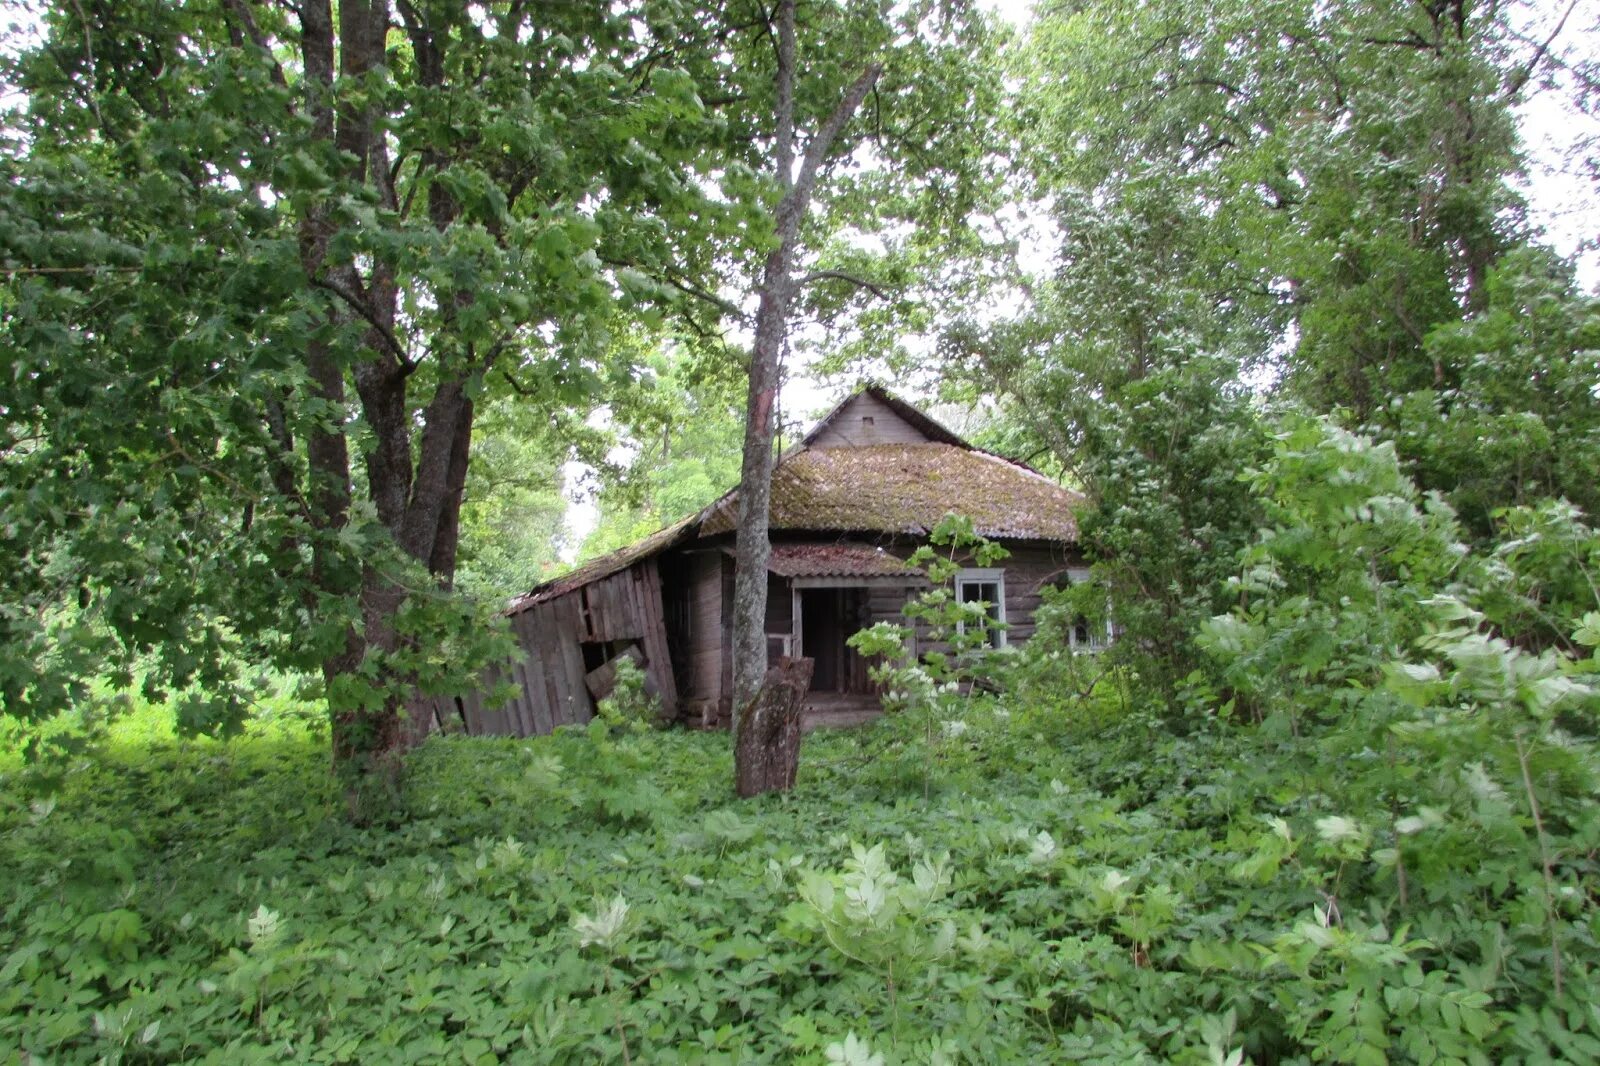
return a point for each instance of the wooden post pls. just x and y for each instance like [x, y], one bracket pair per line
[766, 740]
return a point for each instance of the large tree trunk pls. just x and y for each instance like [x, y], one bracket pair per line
[415, 485]
[753, 546]
[766, 740]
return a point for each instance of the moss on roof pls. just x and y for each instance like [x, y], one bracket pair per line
[878, 488]
[838, 559]
[908, 488]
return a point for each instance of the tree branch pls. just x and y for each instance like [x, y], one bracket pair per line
[359, 306]
[1518, 80]
[840, 275]
[240, 11]
[784, 149]
[822, 140]
[732, 310]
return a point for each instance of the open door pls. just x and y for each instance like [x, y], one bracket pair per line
[828, 618]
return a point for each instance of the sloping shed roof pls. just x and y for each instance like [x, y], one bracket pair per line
[606, 565]
[909, 488]
[836, 560]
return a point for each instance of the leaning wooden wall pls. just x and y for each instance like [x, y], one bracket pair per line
[702, 693]
[622, 611]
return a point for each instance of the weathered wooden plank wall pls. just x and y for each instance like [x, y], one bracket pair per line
[549, 672]
[703, 680]
[1030, 565]
[866, 421]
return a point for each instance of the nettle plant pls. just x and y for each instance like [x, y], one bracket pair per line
[926, 668]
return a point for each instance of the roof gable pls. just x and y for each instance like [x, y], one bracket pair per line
[871, 416]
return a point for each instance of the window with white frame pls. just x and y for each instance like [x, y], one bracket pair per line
[1085, 634]
[985, 586]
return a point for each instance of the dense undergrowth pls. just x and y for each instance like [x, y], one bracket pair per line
[1367, 832]
[1078, 885]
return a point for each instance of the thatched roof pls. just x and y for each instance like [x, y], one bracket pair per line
[870, 489]
[908, 488]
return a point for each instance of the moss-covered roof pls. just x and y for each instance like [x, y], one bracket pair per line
[838, 559]
[908, 488]
[875, 488]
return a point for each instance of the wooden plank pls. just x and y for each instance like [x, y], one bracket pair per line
[517, 708]
[550, 651]
[610, 621]
[530, 686]
[544, 636]
[646, 590]
[472, 704]
[471, 707]
[599, 611]
[579, 708]
[602, 680]
[528, 676]
[725, 642]
[538, 690]
[491, 721]
[865, 420]
[704, 635]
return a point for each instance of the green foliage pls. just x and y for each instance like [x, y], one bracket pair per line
[1170, 513]
[684, 420]
[250, 316]
[1517, 423]
[1229, 171]
[1358, 638]
[513, 511]
[1087, 889]
[925, 667]
[629, 707]
[871, 916]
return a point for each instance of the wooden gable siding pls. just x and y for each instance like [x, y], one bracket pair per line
[849, 427]
[549, 672]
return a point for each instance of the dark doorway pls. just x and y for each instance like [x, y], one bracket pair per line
[829, 617]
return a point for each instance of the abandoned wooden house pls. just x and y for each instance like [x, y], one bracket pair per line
[849, 503]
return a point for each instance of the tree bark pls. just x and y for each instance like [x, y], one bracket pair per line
[766, 742]
[416, 485]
